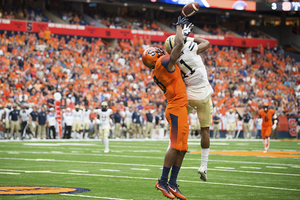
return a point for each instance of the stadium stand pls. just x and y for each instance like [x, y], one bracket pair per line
[87, 71]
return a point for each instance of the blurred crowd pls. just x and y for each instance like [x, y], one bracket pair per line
[88, 71]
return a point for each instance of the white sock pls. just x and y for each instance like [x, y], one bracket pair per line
[106, 142]
[127, 135]
[265, 143]
[204, 156]
[268, 143]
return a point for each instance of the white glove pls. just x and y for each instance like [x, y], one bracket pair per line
[187, 29]
[274, 126]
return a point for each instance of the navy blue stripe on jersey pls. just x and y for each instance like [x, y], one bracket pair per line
[191, 49]
[174, 129]
[164, 62]
[185, 39]
[190, 45]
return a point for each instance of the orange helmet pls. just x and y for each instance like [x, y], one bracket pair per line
[265, 104]
[151, 55]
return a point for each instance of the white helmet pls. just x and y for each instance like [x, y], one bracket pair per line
[169, 43]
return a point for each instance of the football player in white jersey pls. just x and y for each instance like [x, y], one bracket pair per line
[6, 120]
[1, 120]
[104, 115]
[77, 120]
[128, 121]
[198, 88]
[231, 123]
[86, 120]
[195, 125]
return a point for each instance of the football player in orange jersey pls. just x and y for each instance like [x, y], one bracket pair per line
[167, 75]
[267, 114]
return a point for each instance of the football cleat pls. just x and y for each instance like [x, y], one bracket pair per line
[164, 189]
[265, 151]
[203, 173]
[174, 190]
[106, 150]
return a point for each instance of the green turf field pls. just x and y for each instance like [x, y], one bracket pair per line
[131, 168]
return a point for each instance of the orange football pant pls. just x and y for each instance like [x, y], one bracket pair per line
[266, 131]
[179, 131]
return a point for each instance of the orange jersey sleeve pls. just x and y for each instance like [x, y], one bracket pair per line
[170, 82]
[267, 117]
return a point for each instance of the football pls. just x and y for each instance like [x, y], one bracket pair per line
[190, 9]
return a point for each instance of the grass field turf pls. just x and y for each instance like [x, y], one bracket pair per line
[131, 168]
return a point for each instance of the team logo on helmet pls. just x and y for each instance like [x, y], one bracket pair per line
[151, 55]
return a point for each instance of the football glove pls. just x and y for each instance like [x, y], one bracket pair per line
[181, 21]
[187, 29]
[274, 126]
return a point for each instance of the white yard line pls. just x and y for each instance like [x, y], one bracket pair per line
[86, 162]
[79, 171]
[275, 167]
[150, 157]
[144, 165]
[245, 167]
[93, 197]
[37, 171]
[139, 169]
[224, 168]
[186, 181]
[10, 173]
[110, 170]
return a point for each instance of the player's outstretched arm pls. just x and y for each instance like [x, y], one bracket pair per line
[178, 44]
[202, 44]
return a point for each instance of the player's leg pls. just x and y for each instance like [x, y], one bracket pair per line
[39, 132]
[13, 129]
[84, 130]
[54, 132]
[73, 135]
[204, 112]
[267, 134]
[105, 138]
[182, 138]
[192, 130]
[44, 132]
[8, 127]
[147, 131]
[117, 130]
[127, 129]
[276, 132]
[214, 131]
[228, 130]
[263, 132]
[174, 152]
[69, 129]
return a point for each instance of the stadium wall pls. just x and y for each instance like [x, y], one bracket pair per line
[91, 31]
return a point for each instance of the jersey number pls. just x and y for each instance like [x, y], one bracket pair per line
[266, 119]
[159, 84]
[191, 70]
[103, 117]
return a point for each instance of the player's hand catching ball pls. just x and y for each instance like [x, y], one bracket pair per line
[181, 21]
[187, 29]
